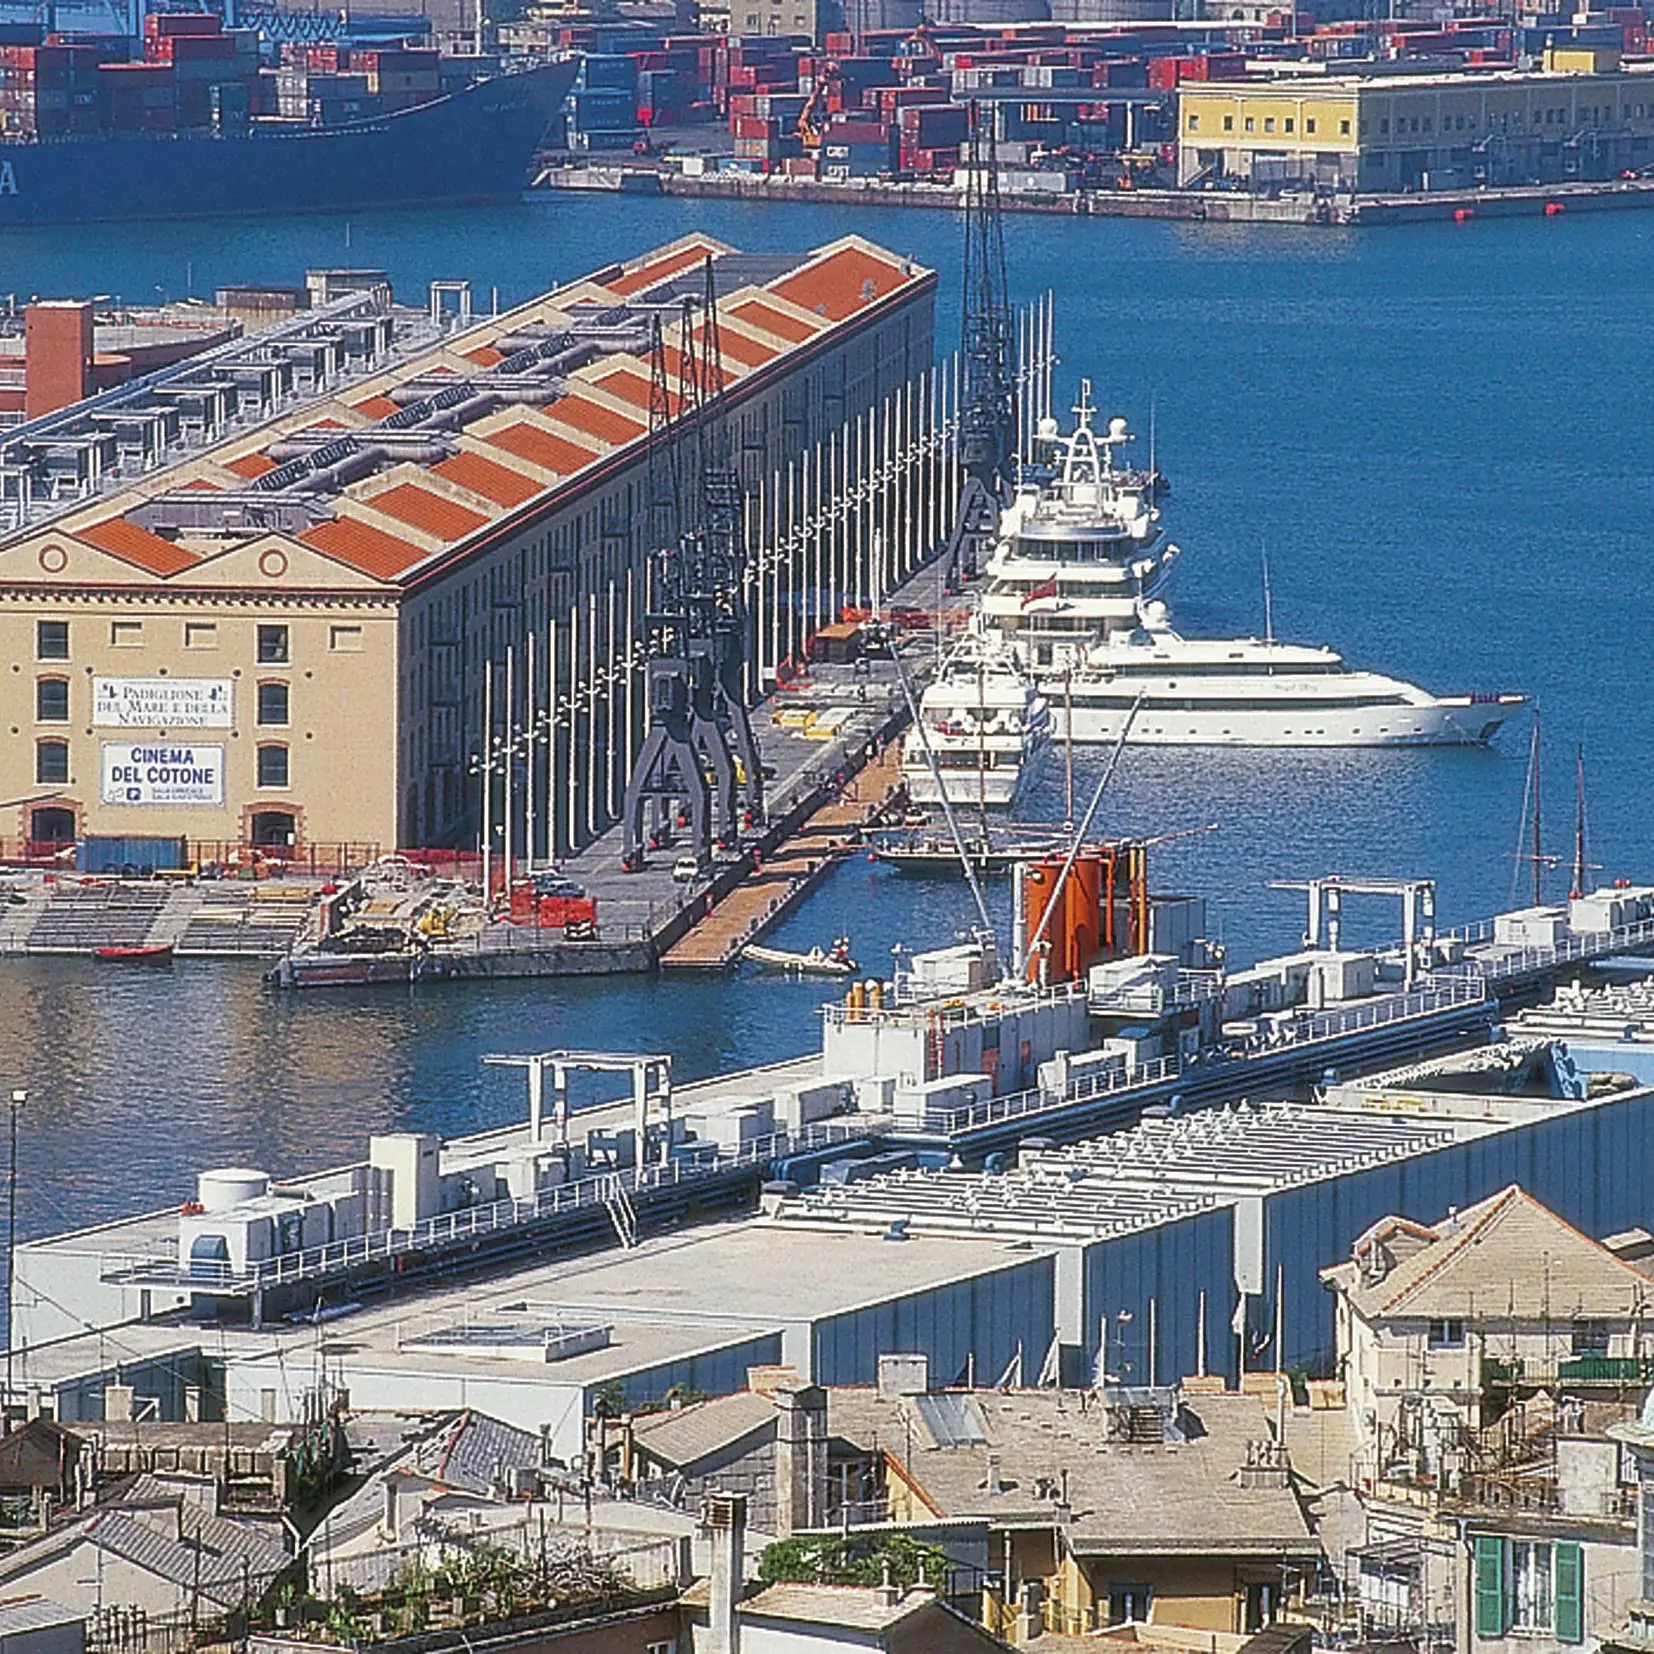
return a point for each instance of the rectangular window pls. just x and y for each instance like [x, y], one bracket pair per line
[1590, 1338]
[1250, 123]
[272, 703]
[273, 646]
[51, 762]
[1289, 124]
[272, 766]
[1194, 123]
[1309, 123]
[1228, 123]
[200, 634]
[1446, 1335]
[51, 700]
[126, 634]
[1269, 123]
[1530, 1585]
[1129, 1604]
[345, 640]
[51, 640]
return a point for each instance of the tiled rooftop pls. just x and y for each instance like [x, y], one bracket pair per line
[495, 462]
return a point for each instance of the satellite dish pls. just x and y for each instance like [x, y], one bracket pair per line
[1048, 429]
[1117, 429]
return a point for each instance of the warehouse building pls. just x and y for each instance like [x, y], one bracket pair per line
[1576, 119]
[1193, 1244]
[292, 636]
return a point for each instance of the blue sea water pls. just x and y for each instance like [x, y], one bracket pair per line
[1438, 437]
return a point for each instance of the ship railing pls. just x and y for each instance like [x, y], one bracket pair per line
[1016, 1105]
[1504, 966]
[1154, 999]
[687, 1166]
[1320, 1028]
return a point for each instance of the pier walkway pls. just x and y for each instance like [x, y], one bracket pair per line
[779, 882]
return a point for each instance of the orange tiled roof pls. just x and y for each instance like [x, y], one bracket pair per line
[595, 419]
[201, 482]
[376, 407]
[646, 275]
[364, 547]
[771, 318]
[429, 512]
[840, 284]
[539, 447]
[498, 483]
[748, 352]
[250, 465]
[485, 356]
[137, 545]
[628, 384]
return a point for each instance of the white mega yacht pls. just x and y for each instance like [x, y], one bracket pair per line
[1080, 546]
[1248, 692]
[985, 722]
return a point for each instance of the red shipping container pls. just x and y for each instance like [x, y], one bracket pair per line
[753, 126]
[553, 912]
[580, 910]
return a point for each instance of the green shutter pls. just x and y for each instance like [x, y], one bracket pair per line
[1490, 1586]
[1570, 1593]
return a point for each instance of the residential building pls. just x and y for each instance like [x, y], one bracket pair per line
[1488, 1360]
[37, 1625]
[1390, 132]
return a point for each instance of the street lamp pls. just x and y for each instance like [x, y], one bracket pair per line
[18, 1098]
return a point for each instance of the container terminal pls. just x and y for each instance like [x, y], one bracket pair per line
[1001, 1155]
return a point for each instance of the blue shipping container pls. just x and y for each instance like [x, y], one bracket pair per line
[133, 857]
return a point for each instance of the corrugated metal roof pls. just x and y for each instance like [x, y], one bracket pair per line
[429, 512]
[481, 1451]
[33, 1614]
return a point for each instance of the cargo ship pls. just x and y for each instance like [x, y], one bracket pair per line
[200, 128]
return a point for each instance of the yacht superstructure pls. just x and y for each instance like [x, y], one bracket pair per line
[1080, 546]
[985, 723]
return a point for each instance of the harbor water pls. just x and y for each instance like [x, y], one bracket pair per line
[1436, 436]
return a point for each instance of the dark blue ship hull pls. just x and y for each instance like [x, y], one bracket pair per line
[473, 146]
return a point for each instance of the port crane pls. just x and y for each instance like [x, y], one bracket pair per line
[699, 765]
[987, 430]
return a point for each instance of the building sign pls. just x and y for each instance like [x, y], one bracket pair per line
[162, 703]
[162, 773]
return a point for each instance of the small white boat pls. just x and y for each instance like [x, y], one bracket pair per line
[818, 961]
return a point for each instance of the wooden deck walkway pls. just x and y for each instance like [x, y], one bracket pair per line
[791, 871]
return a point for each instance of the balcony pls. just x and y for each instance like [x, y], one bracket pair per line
[1577, 1369]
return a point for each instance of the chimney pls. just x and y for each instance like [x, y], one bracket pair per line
[725, 1519]
[57, 355]
[994, 1485]
[903, 1375]
[800, 1457]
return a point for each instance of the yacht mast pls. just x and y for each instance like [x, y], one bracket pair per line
[1533, 763]
[1579, 820]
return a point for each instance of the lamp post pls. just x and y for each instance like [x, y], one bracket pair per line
[18, 1099]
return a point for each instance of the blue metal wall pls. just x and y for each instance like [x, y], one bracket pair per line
[1171, 1266]
[162, 1379]
[1593, 1166]
[971, 1325]
[710, 1373]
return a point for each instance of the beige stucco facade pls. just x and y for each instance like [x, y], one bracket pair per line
[73, 615]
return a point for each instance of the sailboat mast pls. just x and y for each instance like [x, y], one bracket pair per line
[1536, 853]
[982, 751]
[1579, 820]
[1068, 751]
